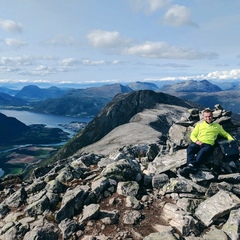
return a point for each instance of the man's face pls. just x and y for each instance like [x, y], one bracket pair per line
[208, 116]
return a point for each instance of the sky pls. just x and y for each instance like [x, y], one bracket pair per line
[113, 41]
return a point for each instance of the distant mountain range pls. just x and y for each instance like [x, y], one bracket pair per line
[34, 93]
[89, 101]
[191, 86]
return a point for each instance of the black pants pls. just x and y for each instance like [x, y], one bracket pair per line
[201, 152]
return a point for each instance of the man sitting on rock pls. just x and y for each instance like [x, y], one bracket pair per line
[203, 139]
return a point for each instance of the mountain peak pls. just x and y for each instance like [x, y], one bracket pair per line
[117, 112]
[192, 86]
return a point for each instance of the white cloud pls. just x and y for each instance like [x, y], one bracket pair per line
[10, 26]
[106, 39]
[61, 40]
[167, 51]
[13, 42]
[16, 61]
[90, 63]
[149, 6]
[69, 62]
[228, 74]
[233, 74]
[178, 16]
[42, 70]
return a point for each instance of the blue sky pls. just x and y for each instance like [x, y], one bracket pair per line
[108, 41]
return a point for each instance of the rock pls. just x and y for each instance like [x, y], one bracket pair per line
[131, 217]
[158, 181]
[167, 162]
[216, 206]
[89, 212]
[38, 207]
[160, 235]
[65, 175]
[36, 186]
[215, 234]
[129, 188]
[3, 210]
[68, 227]
[123, 170]
[48, 232]
[17, 198]
[232, 226]
[182, 185]
[133, 203]
[56, 186]
[109, 217]
[233, 178]
[179, 219]
[73, 201]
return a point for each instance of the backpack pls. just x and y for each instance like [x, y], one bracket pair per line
[230, 149]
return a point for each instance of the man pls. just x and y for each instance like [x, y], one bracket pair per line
[203, 139]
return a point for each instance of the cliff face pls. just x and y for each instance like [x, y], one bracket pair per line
[127, 185]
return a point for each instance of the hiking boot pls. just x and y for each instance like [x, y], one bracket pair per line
[187, 170]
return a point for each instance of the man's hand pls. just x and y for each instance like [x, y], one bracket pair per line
[198, 142]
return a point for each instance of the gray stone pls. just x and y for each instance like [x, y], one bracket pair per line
[158, 181]
[179, 135]
[89, 212]
[17, 198]
[109, 217]
[215, 234]
[232, 178]
[73, 201]
[179, 219]
[47, 232]
[3, 210]
[6, 227]
[182, 185]
[36, 186]
[105, 161]
[54, 198]
[161, 236]
[36, 197]
[56, 186]
[131, 217]
[65, 175]
[123, 170]
[216, 206]
[103, 185]
[38, 207]
[132, 202]
[129, 188]
[68, 227]
[166, 162]
[232, 226]
[202, 176]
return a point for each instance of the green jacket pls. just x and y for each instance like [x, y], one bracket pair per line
[208, 133]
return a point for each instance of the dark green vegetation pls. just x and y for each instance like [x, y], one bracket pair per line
[17, 160]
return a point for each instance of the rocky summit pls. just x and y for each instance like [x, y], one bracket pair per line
[124, 182]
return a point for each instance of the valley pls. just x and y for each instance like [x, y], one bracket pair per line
[52, 132]
[16, 159]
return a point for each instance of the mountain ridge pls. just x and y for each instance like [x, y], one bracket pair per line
[121, 108]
